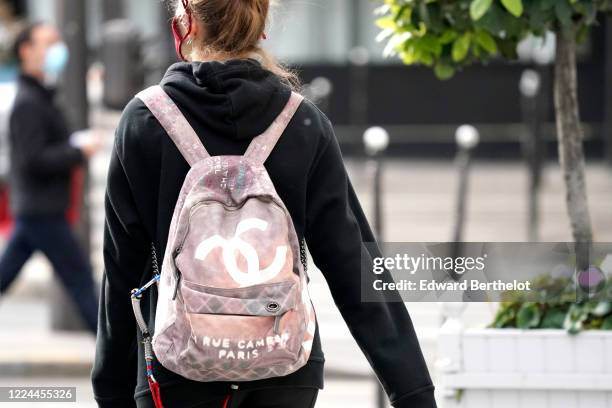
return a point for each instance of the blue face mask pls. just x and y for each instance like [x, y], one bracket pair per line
[56, 59]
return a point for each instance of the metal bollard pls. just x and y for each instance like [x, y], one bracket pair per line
[530, 85]
[467, 138]
[376, 141]
[121, 54]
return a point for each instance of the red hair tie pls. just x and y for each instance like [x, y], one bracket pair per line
[188, 12]
[178, 38]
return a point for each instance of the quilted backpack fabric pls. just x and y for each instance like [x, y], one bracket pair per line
[233, 302]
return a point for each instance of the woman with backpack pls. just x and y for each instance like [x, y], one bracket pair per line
[217, 177]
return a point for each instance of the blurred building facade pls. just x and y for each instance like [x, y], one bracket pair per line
[336, 40]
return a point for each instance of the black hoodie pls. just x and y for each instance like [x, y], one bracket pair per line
[41, 155]
[228, 104]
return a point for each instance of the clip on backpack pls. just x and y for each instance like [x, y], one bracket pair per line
[233, 303]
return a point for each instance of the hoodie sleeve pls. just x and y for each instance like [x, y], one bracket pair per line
[126, 255]
[336, 230]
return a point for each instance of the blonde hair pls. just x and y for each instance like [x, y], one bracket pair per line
[235, 28]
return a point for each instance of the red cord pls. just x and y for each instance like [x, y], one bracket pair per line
[188, 12]
[155, 393]
[226, 403]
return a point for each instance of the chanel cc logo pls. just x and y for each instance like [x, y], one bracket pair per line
[253, 275]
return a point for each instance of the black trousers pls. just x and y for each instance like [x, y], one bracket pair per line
[53, 237]
[279, 397]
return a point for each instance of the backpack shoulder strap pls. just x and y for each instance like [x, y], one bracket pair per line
[174, 123]
[261, 146]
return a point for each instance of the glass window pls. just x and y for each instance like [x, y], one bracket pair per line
[145, 14]
[42, 10]
[323, 31]
[303, 31]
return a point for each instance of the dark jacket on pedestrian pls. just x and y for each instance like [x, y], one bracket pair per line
[41, 155]
[228, 104]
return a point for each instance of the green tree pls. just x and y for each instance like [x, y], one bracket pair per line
[448, 35]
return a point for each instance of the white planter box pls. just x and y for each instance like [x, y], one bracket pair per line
[493, 368]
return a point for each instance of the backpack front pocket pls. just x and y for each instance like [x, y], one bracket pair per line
[242, 329]
[272, 299]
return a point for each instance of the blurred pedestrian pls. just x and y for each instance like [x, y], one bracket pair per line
[230, 91]
[42, 159]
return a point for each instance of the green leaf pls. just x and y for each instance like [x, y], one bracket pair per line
[425, 57]
[447, 36]
[479, 8]
[528, 316]
[607, 323]
[461, 46]
[564, 11]
[408, 58]
[547, 4]
[602, 308]
[421, 29]
[573, 326]
[444, 71]
[505, 316]
[486, 41]
[539, 18]
[408, 55]
[400, 13]
[429, 43]
[574, 320]
[591, 13]
[493, 21]
[507, 49]
[553, 319]
[515, 7]
[386, 22]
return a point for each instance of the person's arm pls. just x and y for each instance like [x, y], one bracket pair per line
[336, 230]
[126, 253]
[37, 154]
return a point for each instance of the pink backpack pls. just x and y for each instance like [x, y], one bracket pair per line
[233, 303]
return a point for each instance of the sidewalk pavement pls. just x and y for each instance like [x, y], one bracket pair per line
[335, 395]
[38, 353]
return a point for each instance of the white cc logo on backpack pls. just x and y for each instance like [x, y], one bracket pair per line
[253, 275]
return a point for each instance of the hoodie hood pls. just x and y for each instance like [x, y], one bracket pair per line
[236, 99]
